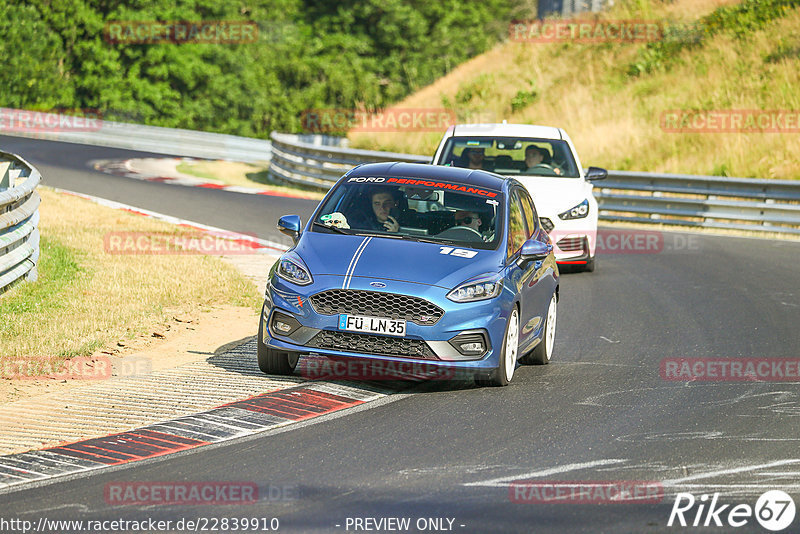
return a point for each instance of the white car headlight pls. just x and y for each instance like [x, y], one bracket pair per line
[482, 287]
[292, 269]
[578, 212]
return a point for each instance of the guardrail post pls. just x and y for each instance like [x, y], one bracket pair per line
[5, 175]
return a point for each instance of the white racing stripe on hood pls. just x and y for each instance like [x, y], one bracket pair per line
[353, 262]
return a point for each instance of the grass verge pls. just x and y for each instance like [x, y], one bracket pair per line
[244, 175]
[610, 97]
[87, 298]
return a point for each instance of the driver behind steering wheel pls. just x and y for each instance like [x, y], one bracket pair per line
[470, 220]
[539, 157]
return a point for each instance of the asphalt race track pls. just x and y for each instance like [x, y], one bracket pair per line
[447, 452]
[64, 165]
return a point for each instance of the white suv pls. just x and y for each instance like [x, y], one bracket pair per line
[544, 159]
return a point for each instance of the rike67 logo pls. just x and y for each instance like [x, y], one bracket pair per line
[774, 511]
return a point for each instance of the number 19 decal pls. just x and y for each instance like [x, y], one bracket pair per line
[460, 252]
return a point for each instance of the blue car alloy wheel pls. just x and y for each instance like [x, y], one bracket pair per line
[410, 265]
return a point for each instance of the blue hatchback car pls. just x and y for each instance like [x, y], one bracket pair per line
[402, 262]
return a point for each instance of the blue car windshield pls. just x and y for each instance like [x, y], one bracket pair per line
[442, 212]
[512, 156]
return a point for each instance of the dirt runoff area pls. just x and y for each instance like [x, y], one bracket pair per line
[183, 339]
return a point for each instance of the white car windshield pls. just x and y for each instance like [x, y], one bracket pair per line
[511, 156]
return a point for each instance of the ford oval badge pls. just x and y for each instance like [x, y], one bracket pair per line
[377, 284]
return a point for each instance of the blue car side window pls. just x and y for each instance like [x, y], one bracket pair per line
[517, 234]
[531, 217]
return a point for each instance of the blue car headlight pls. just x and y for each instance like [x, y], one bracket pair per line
[292, 269]
[578, 212]
[485, 286]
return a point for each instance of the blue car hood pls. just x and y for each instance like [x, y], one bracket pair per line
[383, 258]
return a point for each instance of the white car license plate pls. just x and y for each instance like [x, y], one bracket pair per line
[372, 325]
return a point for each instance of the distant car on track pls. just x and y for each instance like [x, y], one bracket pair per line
[408, 262]
[544, 159]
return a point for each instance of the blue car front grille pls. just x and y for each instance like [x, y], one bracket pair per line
[377, 304]
[369, 344]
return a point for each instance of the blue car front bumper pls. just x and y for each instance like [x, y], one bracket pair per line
[307, 329]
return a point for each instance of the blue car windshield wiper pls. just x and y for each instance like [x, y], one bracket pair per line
[421, 239]
[373, 234]
[331, 228]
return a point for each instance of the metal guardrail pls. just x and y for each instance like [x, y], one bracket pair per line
[19, 217]
[172, 141]
[703, 201]
[672, 199]
[319, 161]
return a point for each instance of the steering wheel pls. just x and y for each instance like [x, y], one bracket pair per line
[462, 233]
[552, 168]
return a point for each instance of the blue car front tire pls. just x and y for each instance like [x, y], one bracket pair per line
[504, 372]
[271, 361]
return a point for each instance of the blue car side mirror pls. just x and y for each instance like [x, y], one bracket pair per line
[534, 250]
[290, 225]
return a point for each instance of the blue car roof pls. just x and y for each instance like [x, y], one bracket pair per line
[484, 179]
